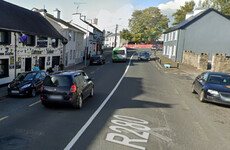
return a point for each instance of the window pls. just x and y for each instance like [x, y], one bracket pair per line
[174, 50]
[164, 50]
[166, 37]
[30, 40]
[71, 54]
[4, 68]
[167, 50]
[42, 42]
[176, 34]
[55, 43]
[5, 37]
[74, 54]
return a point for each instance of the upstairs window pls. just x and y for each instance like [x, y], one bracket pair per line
[30, 40]
[5, 37]
[54, 43]
[42, 41]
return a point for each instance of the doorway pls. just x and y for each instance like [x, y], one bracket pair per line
[42, 63]
[55, 60]
[27, 64]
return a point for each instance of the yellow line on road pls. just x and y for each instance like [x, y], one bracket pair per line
[3, 118]
[39, 101]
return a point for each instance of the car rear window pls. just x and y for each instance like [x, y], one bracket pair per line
[122, 52]
[57, 81]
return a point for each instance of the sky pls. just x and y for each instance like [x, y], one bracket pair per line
[108, 12]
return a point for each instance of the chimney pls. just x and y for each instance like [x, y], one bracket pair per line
[57, 13]
[95, 21]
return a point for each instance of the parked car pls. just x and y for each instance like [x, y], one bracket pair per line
[27, 83]
[213, 87]
[68, 87]
[144, 55]
[97, 59]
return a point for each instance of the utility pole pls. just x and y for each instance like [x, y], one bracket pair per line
[115, 42]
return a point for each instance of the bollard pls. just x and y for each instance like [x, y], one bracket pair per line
[177, 65]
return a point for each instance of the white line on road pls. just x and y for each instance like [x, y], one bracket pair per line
[35, 103]
[3, 118]
[82, 130]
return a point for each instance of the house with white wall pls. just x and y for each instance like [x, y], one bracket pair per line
[73, 51]
[78, 21]
[110, 40]
[26, 39]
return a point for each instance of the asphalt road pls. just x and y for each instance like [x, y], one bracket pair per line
[148, 109]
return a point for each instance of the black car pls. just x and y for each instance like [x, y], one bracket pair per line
[67, 87]
[27, 83]
[144, 55]
[97, 59]
[213, 87]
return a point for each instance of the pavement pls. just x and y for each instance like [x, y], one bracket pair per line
[176, 67]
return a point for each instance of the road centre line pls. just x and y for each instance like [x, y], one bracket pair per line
[82, 130]
[35, 103]
[3, 118]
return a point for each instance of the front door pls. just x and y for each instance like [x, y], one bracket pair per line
[55, 61]
[28, 64]
[42, 63]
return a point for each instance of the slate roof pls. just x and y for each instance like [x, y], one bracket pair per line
[192, 19]
[18, 19]
[63, 22]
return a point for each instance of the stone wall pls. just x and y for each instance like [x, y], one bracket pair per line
[220, 63]
[200, 61]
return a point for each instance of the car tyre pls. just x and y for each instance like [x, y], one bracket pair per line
[193, 88]
[91, 92]
[33, 92]
[45, 104]
[201, 97]
[78, 103]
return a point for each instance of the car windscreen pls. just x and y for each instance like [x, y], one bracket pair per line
[58, 81]
[121, 52]
[25, 76]
[219, 79]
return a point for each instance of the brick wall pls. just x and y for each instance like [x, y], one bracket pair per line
[200, 61]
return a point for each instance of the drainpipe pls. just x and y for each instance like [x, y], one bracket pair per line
[15, 55]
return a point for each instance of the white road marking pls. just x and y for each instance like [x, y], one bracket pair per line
[164, 138]
[35, 103]
[3, 118]
[82, 130]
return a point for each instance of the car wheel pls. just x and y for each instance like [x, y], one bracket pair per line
[45, 104]
[78, 103]
[91, 92]
[33, 92]
[193, 88]
[201, 97]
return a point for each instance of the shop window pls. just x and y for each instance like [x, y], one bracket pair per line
[42, 42]
[30, 40]
[5, 37]
[4, 68]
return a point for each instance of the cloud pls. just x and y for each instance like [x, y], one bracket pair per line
[170, 7]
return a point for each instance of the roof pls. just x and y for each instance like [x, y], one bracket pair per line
[63, 22]
[18, 19]
[92, 25]
[193, 19]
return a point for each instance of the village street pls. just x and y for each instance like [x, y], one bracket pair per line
[147, 108]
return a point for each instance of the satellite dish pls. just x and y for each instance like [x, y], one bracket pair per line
[23, 38]
[53, 40]
[70, 35]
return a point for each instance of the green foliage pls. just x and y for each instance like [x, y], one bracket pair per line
[125, 34]
[221, 5]
[147, 24]
[180, 14]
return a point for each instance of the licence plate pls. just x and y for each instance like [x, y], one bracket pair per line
[57, 97]
[14, 92]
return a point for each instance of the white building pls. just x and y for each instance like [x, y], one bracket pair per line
[43, 45]
[110, 40]
[74, 50]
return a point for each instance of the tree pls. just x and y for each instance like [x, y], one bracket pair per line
[221, 5]
[125, 34]
[180, 14]
[148, 24]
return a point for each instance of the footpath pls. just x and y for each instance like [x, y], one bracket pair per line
[80, 66]
[176, 67]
